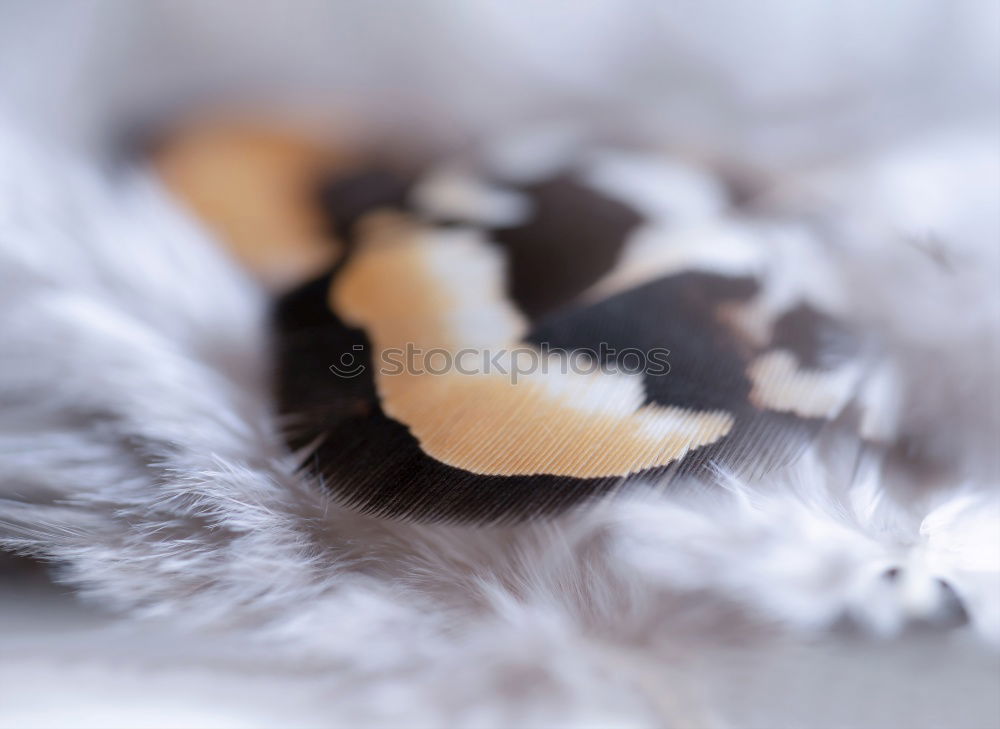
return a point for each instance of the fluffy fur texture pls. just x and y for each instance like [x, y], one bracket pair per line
[139, 453]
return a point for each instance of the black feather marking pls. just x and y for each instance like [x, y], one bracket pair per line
[575, 236]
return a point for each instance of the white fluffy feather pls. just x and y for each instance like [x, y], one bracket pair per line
[139, 453]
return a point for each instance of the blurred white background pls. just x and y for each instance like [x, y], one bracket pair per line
[772, 81]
